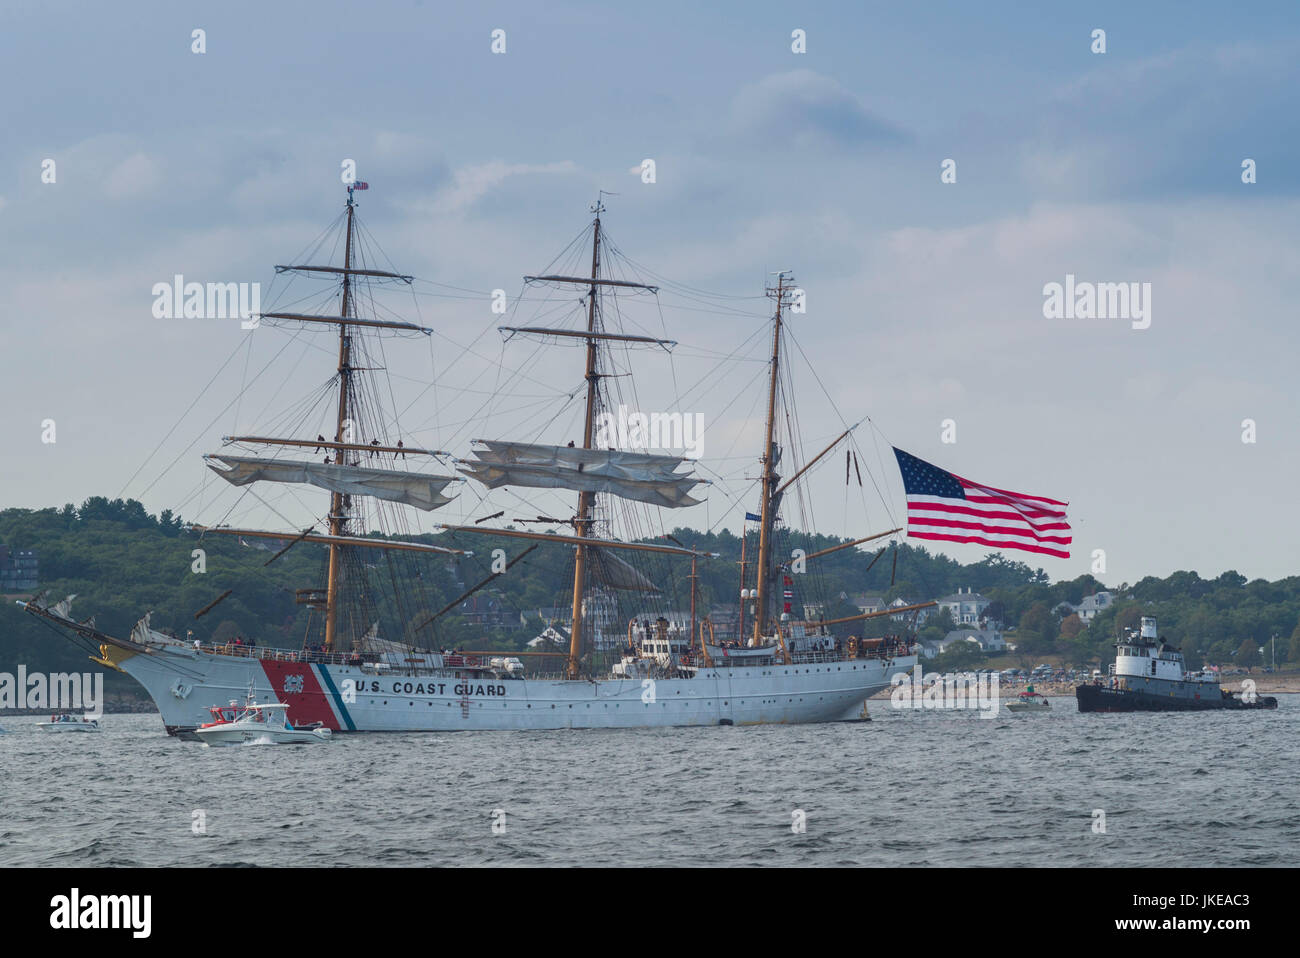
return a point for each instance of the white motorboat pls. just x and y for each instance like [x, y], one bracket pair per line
[254, 724]
[67, 722]
[1029, 701]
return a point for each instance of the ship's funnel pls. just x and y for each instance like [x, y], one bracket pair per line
[1148, 627]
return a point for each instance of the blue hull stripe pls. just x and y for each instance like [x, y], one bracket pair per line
[338, 699]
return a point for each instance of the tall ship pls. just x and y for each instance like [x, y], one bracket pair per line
[367, 663]
[1149, 675]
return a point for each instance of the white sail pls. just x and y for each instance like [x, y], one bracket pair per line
[613, 573]
[412, 488]
[632, 475]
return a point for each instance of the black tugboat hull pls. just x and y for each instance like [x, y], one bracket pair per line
[1097, 698]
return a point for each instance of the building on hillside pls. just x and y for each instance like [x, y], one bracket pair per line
[931, 649]
[1092, 604]
[556, 615]
[867, 604]
[557, 636]
[487, 611]
[990, 640]
[19, 570]
[920, 614]
[966, 608]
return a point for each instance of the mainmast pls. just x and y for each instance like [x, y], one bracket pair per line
[337, 519]
[628, 474]
[770, 477]
[583, 519]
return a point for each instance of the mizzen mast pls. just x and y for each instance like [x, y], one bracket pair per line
[583, 518]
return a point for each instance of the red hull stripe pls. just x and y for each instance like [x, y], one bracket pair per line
[311, 703]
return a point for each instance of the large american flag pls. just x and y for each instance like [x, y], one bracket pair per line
[946, 507]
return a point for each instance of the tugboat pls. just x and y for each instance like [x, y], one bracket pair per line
[1149, 676]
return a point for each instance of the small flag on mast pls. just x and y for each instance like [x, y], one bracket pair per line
[945, 507]
[359, 185]
[750, 517]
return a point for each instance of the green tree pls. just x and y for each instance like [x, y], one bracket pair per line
[1247, 655]
[958, 656]
[1071, 626]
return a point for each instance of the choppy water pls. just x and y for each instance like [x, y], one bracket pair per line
[910, 788]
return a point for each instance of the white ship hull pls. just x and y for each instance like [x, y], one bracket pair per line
[185, 684]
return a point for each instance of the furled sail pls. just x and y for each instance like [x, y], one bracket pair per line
[632, 475]
[415, 489]
[613, 573]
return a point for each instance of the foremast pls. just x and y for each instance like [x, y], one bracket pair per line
[337, 517]
[342, 472]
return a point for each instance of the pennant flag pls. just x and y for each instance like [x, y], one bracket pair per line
[948, 508]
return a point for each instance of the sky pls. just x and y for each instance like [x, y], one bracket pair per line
[925, 298]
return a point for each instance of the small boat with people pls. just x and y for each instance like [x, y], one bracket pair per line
[1029, 701]
[67, 722]
[253, 724]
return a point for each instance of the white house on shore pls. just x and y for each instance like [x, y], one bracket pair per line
[931, 649]
[966, 608]
[1092, 604]
[990, 640]
[868, 603]
[921, 614]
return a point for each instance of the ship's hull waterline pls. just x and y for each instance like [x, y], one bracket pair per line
[344, 698]
[1095, 698]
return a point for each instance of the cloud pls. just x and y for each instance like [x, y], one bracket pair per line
[136, 175]
[1173, 123]
[802, 108]
[471, 183]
